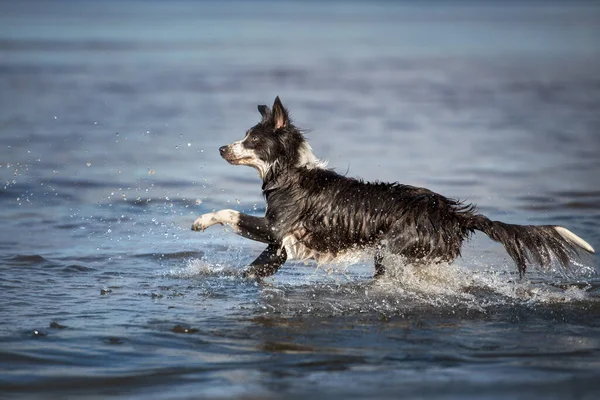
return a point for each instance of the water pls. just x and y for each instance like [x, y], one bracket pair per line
[112, 114]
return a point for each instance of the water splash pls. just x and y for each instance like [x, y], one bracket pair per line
[201, 268]
[479, 288]
[345, 287]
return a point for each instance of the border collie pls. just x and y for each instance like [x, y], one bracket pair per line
[314, 213]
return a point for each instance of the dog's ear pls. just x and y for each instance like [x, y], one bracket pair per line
[265, 112]
[280, 114]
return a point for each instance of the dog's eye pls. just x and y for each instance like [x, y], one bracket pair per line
[254, 139]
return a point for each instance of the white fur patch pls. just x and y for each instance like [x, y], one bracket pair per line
[573, 238]
[296, 250]
[240, 151]
[248, 157]
[245, 156]
[223, 217]
[307, 159]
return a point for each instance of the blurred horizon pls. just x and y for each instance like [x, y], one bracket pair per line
[294, 33]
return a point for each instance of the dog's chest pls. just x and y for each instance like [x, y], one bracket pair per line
[298, 249]
[297, 246]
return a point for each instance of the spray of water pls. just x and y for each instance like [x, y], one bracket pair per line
[345, 287]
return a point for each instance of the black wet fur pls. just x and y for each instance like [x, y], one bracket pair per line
[330, 213]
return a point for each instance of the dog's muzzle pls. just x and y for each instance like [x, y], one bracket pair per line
[229, 155]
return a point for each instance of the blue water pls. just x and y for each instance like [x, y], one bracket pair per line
[111, 115]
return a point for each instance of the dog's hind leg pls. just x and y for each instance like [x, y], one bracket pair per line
[267, 263]
[255, 228]
[379, 267]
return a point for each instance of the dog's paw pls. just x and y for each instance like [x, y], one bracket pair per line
[248, 273]
[251, 274]
[204, 221]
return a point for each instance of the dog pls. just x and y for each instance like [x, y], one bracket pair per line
[315, 213]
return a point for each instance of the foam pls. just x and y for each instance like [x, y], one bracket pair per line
[201, 268]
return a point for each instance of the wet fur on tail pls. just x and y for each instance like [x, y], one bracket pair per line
[531, 244]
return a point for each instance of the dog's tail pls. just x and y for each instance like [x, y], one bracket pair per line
[528, 244]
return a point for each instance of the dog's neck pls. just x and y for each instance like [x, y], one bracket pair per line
[306, 160]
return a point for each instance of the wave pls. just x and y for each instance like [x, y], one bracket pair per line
[25, 259]
[38, 262]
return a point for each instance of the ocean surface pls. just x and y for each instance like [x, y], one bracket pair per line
[111, 115]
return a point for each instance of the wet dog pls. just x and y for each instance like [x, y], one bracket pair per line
[314, 213]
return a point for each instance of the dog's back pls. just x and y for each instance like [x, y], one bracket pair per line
[331, 213]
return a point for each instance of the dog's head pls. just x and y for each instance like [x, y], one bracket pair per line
[274, 140]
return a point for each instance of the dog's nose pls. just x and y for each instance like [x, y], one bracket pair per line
[222, 150]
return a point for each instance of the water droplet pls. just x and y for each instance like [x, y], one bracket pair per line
[89, 164]
[189, 144]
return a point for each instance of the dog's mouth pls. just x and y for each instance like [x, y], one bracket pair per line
[237, 157]
[231, 159]
[238, 161]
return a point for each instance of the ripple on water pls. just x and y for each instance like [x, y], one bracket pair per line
[35, 260]
[562, 200]
[179, 255]
[25, 259]
[77, 268]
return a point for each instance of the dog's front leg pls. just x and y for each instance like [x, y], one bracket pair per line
[255, 228]
[267, 263]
